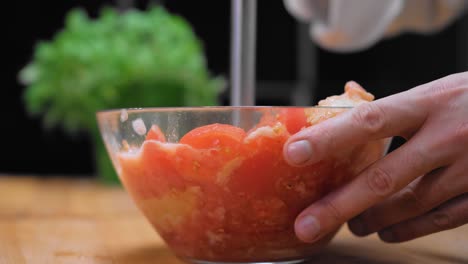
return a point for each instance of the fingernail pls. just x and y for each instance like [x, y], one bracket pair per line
[356, 225]
[308, 228]
[387, 236]
[299, 152]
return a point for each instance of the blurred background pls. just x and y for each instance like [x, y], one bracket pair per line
[290, 70]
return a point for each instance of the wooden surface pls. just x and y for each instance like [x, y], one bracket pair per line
[79, 221]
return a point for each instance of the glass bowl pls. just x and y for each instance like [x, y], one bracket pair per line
[213, 182]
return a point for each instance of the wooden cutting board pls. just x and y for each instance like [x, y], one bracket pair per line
[81, 221]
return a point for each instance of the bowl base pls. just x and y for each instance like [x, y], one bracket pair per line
[263, 262]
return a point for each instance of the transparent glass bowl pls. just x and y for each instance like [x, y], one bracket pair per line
[214, 184]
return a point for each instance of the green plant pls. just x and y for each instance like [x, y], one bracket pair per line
[135, 59]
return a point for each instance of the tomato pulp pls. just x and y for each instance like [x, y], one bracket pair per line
[225, 195]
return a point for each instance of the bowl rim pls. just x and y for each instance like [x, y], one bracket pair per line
[209, 108]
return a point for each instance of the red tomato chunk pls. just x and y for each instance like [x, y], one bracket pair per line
[223, 195]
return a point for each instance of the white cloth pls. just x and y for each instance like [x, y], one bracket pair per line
[352, 25]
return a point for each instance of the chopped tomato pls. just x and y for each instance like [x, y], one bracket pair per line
[198, 165]
[155, 133]
[263, 161]
[209, 203]
[224, 195]
[269, 118]
[158, 159]
[222, 138]
[293, 118]
[154, 159]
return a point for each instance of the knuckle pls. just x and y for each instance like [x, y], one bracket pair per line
[439, 88]
[332, 209]
[447, 88]
[370, 117]
[380, 182]
[419, 157]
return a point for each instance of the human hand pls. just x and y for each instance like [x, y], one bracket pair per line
[418, 189]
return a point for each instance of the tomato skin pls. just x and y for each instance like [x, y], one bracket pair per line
[147, 166]
[293, 118]
[199, 166]
[214, 135]
[221, 142]
[263, 161]
[155, 133]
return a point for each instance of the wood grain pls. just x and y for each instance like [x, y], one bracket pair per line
[80, 221]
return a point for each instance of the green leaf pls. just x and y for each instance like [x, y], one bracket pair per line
[136, 59]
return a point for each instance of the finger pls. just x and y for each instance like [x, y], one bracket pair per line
[419, 197]
[391, 116]
[375, 183]
[450, 215]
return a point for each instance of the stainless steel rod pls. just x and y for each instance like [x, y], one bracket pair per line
[243, 45]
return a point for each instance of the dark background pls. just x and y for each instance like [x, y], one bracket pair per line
[390, 66]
